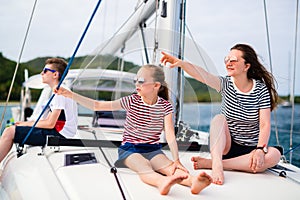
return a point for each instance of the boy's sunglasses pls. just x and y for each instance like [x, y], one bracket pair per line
[47, 69]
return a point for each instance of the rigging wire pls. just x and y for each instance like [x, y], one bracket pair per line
[155, 32]
[197, 48]
[20, 147]
[99, 51]
[18, 62]
[293, 86]
[268, 35]
[182, 29]
[180, 82]
[271, 68]
[113, 169]
[293, 90]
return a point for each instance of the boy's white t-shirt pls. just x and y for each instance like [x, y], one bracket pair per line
[67, 128]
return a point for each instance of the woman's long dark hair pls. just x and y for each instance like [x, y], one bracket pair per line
[159, 76]
[258, 71]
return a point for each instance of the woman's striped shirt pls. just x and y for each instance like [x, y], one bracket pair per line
[144, 123]
[242, 110]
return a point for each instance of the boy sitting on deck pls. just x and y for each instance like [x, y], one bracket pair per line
[61, 120]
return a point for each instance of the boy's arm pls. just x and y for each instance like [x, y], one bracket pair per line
[48, 123]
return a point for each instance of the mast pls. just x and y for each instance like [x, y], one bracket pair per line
[170, 38]
[170, 29]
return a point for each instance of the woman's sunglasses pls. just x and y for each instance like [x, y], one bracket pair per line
[230, 59]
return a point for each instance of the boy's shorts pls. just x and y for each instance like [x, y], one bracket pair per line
[37, 137]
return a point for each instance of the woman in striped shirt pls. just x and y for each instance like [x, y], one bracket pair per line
[240, 134]
[148, 113]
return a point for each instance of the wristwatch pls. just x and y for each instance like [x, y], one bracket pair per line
[264, 148]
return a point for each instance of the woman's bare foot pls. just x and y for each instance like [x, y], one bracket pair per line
[216, 166]
[217, 172]
[166, 185]
[200, 182]
[201, 163]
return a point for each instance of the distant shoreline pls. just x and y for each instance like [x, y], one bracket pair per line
[14, 103]
[9, 103]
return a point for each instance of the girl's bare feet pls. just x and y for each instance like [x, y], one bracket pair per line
[200, 182]
[166, 185]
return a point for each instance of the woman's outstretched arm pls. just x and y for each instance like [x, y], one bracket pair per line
[195, 71]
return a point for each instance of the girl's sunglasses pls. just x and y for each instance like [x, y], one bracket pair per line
[139, 80]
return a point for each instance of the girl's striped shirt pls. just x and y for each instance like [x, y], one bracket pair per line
[144, 123]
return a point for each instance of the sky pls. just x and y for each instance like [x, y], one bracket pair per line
[216, 26]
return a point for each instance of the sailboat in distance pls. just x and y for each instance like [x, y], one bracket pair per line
[291, 79]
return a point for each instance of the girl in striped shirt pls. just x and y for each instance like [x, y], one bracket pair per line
[240, 134]
[148, 113]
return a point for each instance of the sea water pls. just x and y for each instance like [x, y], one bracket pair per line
[199, 115]
[7, 116]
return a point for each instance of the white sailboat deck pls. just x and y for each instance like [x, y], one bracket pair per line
[94, 180]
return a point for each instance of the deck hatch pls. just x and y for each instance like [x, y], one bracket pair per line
[80, 159]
